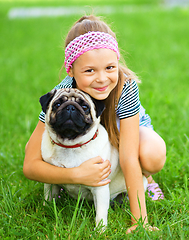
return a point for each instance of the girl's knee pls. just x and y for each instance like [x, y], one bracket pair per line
[152, 152]
[157, 159]
[153, 162]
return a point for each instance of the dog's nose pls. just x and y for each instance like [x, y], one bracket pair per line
[70, 108]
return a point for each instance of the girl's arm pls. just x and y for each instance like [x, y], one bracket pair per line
[89, 173]
[129, 160]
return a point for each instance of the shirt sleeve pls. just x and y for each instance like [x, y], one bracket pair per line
[129, 103]
[66, 83]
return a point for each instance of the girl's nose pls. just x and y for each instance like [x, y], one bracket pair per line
[101, 77]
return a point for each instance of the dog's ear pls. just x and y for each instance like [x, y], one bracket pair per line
[45, 99]
[100, 106]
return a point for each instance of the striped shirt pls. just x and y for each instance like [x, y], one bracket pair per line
[128, 105]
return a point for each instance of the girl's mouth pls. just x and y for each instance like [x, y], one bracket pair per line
[101, 89]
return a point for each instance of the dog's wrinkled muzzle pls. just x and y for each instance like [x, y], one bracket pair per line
[71, 120]
[71, 106]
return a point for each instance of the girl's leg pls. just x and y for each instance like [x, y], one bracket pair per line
[152, 151]
[152, 155]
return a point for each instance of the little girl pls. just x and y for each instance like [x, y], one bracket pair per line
[92, 63]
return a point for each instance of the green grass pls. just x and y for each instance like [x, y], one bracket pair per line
[154, 44]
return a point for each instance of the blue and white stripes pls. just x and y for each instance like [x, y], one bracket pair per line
[129, 103]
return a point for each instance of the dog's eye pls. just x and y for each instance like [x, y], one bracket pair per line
[56, 106]
[86, 109]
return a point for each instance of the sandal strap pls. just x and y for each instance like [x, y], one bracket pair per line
[154, 191]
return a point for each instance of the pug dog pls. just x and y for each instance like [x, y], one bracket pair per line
[73, 134]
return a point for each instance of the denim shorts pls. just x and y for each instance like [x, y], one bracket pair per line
[144, 119]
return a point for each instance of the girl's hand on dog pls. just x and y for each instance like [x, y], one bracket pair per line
[93, 172]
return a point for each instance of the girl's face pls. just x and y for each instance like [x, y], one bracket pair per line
[96, 72]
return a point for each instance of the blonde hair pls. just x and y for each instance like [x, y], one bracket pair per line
[108, 118]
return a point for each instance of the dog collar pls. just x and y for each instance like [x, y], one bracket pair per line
[76, 145]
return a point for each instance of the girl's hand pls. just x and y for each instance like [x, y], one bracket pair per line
[93, 172]
[147, 227]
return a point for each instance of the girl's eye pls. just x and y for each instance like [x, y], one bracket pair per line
[89, 70]
[110, 67]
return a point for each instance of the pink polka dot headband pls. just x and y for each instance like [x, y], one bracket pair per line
[87, 42]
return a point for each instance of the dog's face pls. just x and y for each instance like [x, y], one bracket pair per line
[70, 112]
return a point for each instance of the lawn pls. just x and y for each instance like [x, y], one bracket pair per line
[154, 43]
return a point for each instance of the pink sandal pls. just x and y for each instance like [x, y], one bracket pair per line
[154, 191]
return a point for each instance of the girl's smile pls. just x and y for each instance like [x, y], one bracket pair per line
[96, 72]
[101, 89]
